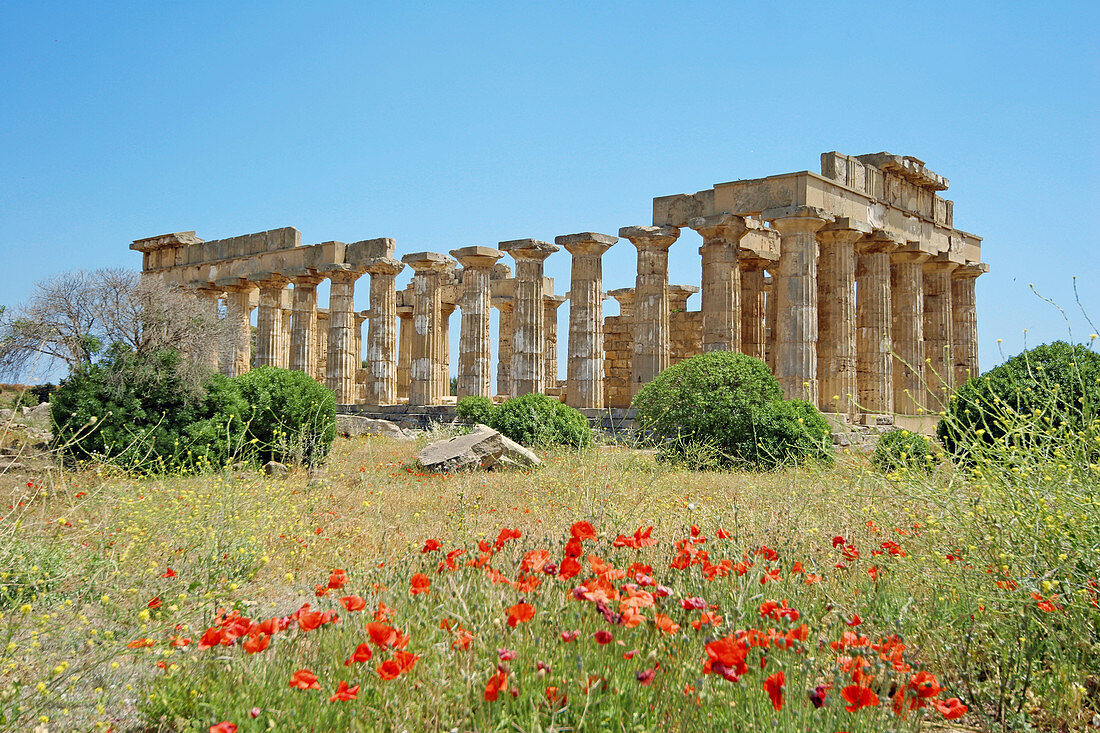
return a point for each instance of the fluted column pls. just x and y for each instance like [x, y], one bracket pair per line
[836, 297]
[771, 314]
[796, 343]
[208, 303]
[427, 310]
[269, 320]
[238, 313]
[321, 373]
[404, 352]
[964, 331]
[721, 279]
[907, 286]
[529, 326]
[754, 338]
[442, 387]
[342, 362]
[303, 323]
[286, 312]
[474, 341]
[550, 306]
[652, 347]
[874, 361]
[938, 321]
[382, 331]
[584, 373]
[504, 304]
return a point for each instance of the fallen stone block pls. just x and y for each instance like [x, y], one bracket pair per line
[274, 468]
[480, 448]
[355, 425]
[517, 453]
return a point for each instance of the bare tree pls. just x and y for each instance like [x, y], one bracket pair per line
[70, 317]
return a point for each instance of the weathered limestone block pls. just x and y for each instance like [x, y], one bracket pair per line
[355, 425]
[874, 309]
[475, 344]
[424, 387]
[382, 332]
[585, 375]
[836, 281]
[796, 342]
[721, 234]
[907, 284]
[939, 319]
[618, 354]
[678, 297]
[964, 330]
[529, 324]
[480, 448]
[652, 347]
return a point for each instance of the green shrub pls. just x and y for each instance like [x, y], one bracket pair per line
[137, 413]
[24, 398]
[292, 418]
[476, 410]
[539, 421]
[723, 409]
[1037, 399]
[901, 449]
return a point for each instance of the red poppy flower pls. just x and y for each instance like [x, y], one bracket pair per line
[419, 584]
[951, 708]
[646, 676]
[497, 683]
[554, 696]
[310, 620]
[140, 643]
[925, 684]
[506, 535]
[343, 692]
[256, 643]
[210, 638]
[353, 603]
[337, 579]
[838, 541]
[534, 561]
[224, 727]
[603, 637]
[856, 620]
[154, 602]
[361, 654]
[401, 663]
[582, 531]
[773, 685]
[858, 697]
[170, 573]
[384, 635]
[519, 613]
[569, 568]
[431, 546]
[665, 624]
[303, 679]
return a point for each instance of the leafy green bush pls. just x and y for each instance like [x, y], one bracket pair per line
[727, 407]
[137, 413]
[291, 416]
[900, 449]
[1034, 400]
[24, 398]
[476, 410]
[539, 421]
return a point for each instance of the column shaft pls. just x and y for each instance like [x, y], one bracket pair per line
[753, 309]
[303, 325]
[238, 312]
[342, 361]
[404, 356]
[269, 322]
[529, 325]
[874, 362]
[427, 312]
[908, 332]
[584, 371]
[938, 321]
[474, 341]
[504, 346]
[964, 347]
[652, 347]
[836, 344]
[382, 332]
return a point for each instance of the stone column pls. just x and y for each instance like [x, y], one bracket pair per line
[652, 348]
[269, 319]
[427, 312]
[303, 323]
[964, 329]
[208, 303]
[874, 362]
[529, 330]
[584, 374]
[754, 337]
[382, 331]
[836, 324]
[286, 312]
[771, 314]
[550, 307]
[504, 304]
[907, 286]
[443, 375]
[721, 279]
[322, 346]
[238, 313]
[474, 342]
[938, 322]
[342, 362]
[404, 354]
[796, 342]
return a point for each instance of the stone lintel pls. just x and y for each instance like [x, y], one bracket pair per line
[301, 273]
[688, 290]
[369, 249]
[234, 283]
[797, 211]
[567, 240]
[175, 239]
[907, 167]
[528, 249]
[846, 223]
[477, 256]
[268, 278]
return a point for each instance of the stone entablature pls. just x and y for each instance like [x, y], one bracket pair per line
[852, 284]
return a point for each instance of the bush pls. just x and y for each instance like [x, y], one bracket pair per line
[135, 412]
[1036, 399]
[901, 449]
[728, 408]
[539, 421]
[24, 398]
[476, 410]
[292, 418]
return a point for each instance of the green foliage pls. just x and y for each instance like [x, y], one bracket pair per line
[291, 416]
[722, 409]
[900, 449]
[24, 398]
[135, 412]
[539, 421]
[1051, 390]
[476, 410]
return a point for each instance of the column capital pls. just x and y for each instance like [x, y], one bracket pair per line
[383, 266]
[502, 302]
[554, 300]
[970, 270]
[268, 279]
[727, 228]
[234, 284]
[404, 311]
[427, 261]
[940, 264]
[843, 230]
[798, 218]
[678, 296]
[625, 296]
[878, 241]
[528, 249]
[650, 237]
[752, 264]
[303, 276]
[476, 257]
[909, 256]
[340, 273]
[586, 243]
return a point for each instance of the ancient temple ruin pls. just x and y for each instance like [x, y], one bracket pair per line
[852, 284]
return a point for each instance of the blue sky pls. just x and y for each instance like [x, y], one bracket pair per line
[448, 124]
